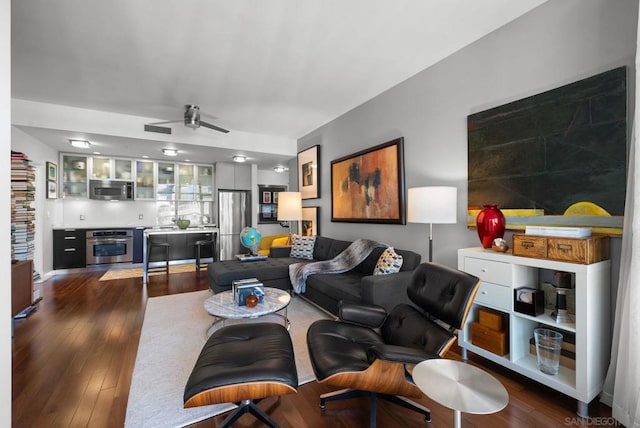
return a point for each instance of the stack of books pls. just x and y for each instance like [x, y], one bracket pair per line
[563, 232]
[22, 213]
[245, 287]
[250, 257]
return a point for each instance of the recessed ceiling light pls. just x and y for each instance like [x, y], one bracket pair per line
[239, 158]
[81, 144]
[187, 160]
[280, 169]
[170, 152]
[96, 153]
[145, 156]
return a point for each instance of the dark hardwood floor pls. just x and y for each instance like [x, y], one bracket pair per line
[73, 359]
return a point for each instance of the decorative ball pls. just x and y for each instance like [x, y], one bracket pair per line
[251, 301]
[499, 245]
[250, 237]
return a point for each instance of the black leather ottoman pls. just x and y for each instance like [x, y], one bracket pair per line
[272, 272]
[229, 370]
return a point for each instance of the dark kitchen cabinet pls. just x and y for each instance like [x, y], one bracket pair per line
[182, 246]
[69, 248]
[138, 244]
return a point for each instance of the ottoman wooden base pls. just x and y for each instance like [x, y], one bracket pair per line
[230, 370]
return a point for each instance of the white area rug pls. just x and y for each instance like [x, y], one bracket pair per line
[173, 333]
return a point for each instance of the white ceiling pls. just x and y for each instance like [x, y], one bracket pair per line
[278, 68]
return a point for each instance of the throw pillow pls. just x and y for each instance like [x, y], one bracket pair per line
[302, 247]
[280, 242]
[389, 262]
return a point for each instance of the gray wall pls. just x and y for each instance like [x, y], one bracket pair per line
[559, 42]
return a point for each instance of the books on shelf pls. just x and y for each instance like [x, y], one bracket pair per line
[564, 232]
[22, 213]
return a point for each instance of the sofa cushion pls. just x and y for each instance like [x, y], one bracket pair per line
[389, 262]
[321, 250]
[336, 248]
[344, 286]
[367, 266]
[223, 273]
[410, 260]
[302, 247]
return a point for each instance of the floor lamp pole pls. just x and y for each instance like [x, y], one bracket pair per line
[430, 242]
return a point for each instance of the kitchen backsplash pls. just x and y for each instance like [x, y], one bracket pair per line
[91, 213]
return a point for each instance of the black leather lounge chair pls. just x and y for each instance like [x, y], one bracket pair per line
[370, 352]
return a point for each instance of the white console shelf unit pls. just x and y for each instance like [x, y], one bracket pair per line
[500, 274]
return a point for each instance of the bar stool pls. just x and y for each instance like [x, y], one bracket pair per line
[205, 242]
[154, 241]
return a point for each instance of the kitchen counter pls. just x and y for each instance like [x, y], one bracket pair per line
[181, 243]
[168, 230]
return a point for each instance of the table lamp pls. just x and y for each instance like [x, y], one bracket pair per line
[290, 207]
[432, 205]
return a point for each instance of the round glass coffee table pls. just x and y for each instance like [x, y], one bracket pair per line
[461, 387]
[222, 306]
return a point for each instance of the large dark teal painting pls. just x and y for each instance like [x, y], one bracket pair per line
[556, 158]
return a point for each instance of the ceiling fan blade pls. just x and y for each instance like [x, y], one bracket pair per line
[158, 129]
[214, 127]
[165, 122]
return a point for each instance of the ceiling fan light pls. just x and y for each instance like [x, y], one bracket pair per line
[170, 152]
[81, 144]
[279, 169]
[239, 158]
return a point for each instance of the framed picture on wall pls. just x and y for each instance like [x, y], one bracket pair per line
[266, 197]
[52, 190]
[310, 223]
[368, 186]
[309, 172]
[52, 171]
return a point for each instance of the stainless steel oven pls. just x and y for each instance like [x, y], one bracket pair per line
[109, 246]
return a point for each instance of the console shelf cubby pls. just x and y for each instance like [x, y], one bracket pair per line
[500, 275]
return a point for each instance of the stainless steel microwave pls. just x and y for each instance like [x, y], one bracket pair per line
[110, 190]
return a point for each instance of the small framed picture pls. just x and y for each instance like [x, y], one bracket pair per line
[52, 190]
[275, 197]
[310, 221]
[266, 197]
[52, 171]
[309, 172]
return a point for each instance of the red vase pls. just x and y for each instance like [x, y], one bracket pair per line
[490, 224]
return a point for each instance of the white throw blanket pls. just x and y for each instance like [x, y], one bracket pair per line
[351, 257]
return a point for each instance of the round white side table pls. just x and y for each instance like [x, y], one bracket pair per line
[461, 387]
[222, 306]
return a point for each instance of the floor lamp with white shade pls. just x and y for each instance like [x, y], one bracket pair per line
[290, 207]
[432, 205]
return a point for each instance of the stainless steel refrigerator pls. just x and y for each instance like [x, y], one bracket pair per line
[234, 214]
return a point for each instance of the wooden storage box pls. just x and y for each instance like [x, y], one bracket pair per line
[489, 339]
[491, 319]
[574, 250]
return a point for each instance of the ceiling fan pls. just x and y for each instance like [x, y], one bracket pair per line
[191, 119]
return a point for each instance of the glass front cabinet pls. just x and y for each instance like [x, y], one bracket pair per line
[186, 182]
[166, 181]
[205, 182]
[154, 180]
[145, 180]
[74, 176]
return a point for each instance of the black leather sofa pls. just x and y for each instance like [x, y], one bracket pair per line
[358, 285]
